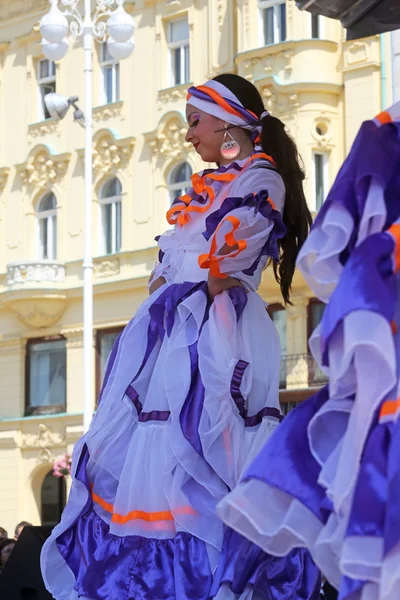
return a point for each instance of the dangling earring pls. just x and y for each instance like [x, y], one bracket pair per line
[230, 148]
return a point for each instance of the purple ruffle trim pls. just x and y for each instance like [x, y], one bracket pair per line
[375, 154]
[258, 202]
[109, 567]
[236, 394]
[242, 563]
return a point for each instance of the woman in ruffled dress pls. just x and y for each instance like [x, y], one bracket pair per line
[191, 390]
[331, 470]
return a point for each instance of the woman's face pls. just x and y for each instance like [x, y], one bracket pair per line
[203, 135]
[5, 553]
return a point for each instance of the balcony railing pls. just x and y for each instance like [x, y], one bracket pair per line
[299, 371]
[35, 272]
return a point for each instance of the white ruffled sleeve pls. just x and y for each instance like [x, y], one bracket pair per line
[249, 222]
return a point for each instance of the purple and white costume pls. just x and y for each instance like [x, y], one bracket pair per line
[330, 475]
[189, 398]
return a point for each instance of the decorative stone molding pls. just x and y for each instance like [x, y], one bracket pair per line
[42, 128]
[38, 311]
[44, 271]
[271, 63]
[74, 338]
[42, 167]
[172, 94]
[110, 152]
[12, 346]
[322, 132]
[107, 267]
[43, 438]
[108, 111]
[4, 172]
[168, 139]
[279, 103]
[361, 53]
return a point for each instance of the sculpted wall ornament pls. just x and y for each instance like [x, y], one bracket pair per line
[173, 93]
[279, 104]
[43, 168]
[4, 172]
[42, 128]
[43, 438]
[106, 268]
[271, 63]
[110, 153]
[108, 111]
[168, 139]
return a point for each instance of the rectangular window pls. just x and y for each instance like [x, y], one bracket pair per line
[278, 316]
[105, 340]
[320, 177]
[315, 312]
[48, 238]
[110, 77]
[111, 227]
[46, 78]
[273, 19]
[46, 369]
[179, 54]
[315, 26]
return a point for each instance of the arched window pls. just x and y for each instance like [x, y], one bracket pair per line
[111, 209]
[47, 220]
[53, 499]
[179, 181]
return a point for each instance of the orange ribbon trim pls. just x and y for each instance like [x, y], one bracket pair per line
[181, 213]
[394, 230]
[388, 408]
[384, 117]
[211, 260]
[151, 517]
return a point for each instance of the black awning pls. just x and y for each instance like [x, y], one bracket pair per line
[360, 17]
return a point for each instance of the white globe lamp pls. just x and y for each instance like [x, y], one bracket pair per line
[120, 25]
[54, 25]
[56, 50]
[120, 50]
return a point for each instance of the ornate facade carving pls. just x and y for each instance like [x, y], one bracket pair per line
[110, 153]
[168, 139]
[270, 64]
[322, 132]
[279, 103]
[43, 438]
[37, 130]
[42, 168]
[37, 309]
[35, 272]
[106, 268]
[173, 93]
[4, 172]
[108, 111]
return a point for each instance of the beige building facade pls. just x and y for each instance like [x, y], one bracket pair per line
[321, 86]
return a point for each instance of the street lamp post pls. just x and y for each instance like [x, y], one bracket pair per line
[116, 27]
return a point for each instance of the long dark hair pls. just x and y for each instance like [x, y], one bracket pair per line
[277, 143]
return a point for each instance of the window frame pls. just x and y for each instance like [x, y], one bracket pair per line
[105, 64]
[42, 82]
[312, 302]
[325, 178]
[98, 375]
[113, 201]
[50, 219]
[183, 46]
[271, 309]
[62, 497]
[177, 185]
[264, 5]
[317, 20]
[51, 408]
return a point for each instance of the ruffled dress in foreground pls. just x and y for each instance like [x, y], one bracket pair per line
[189, 398]
[330, 474]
